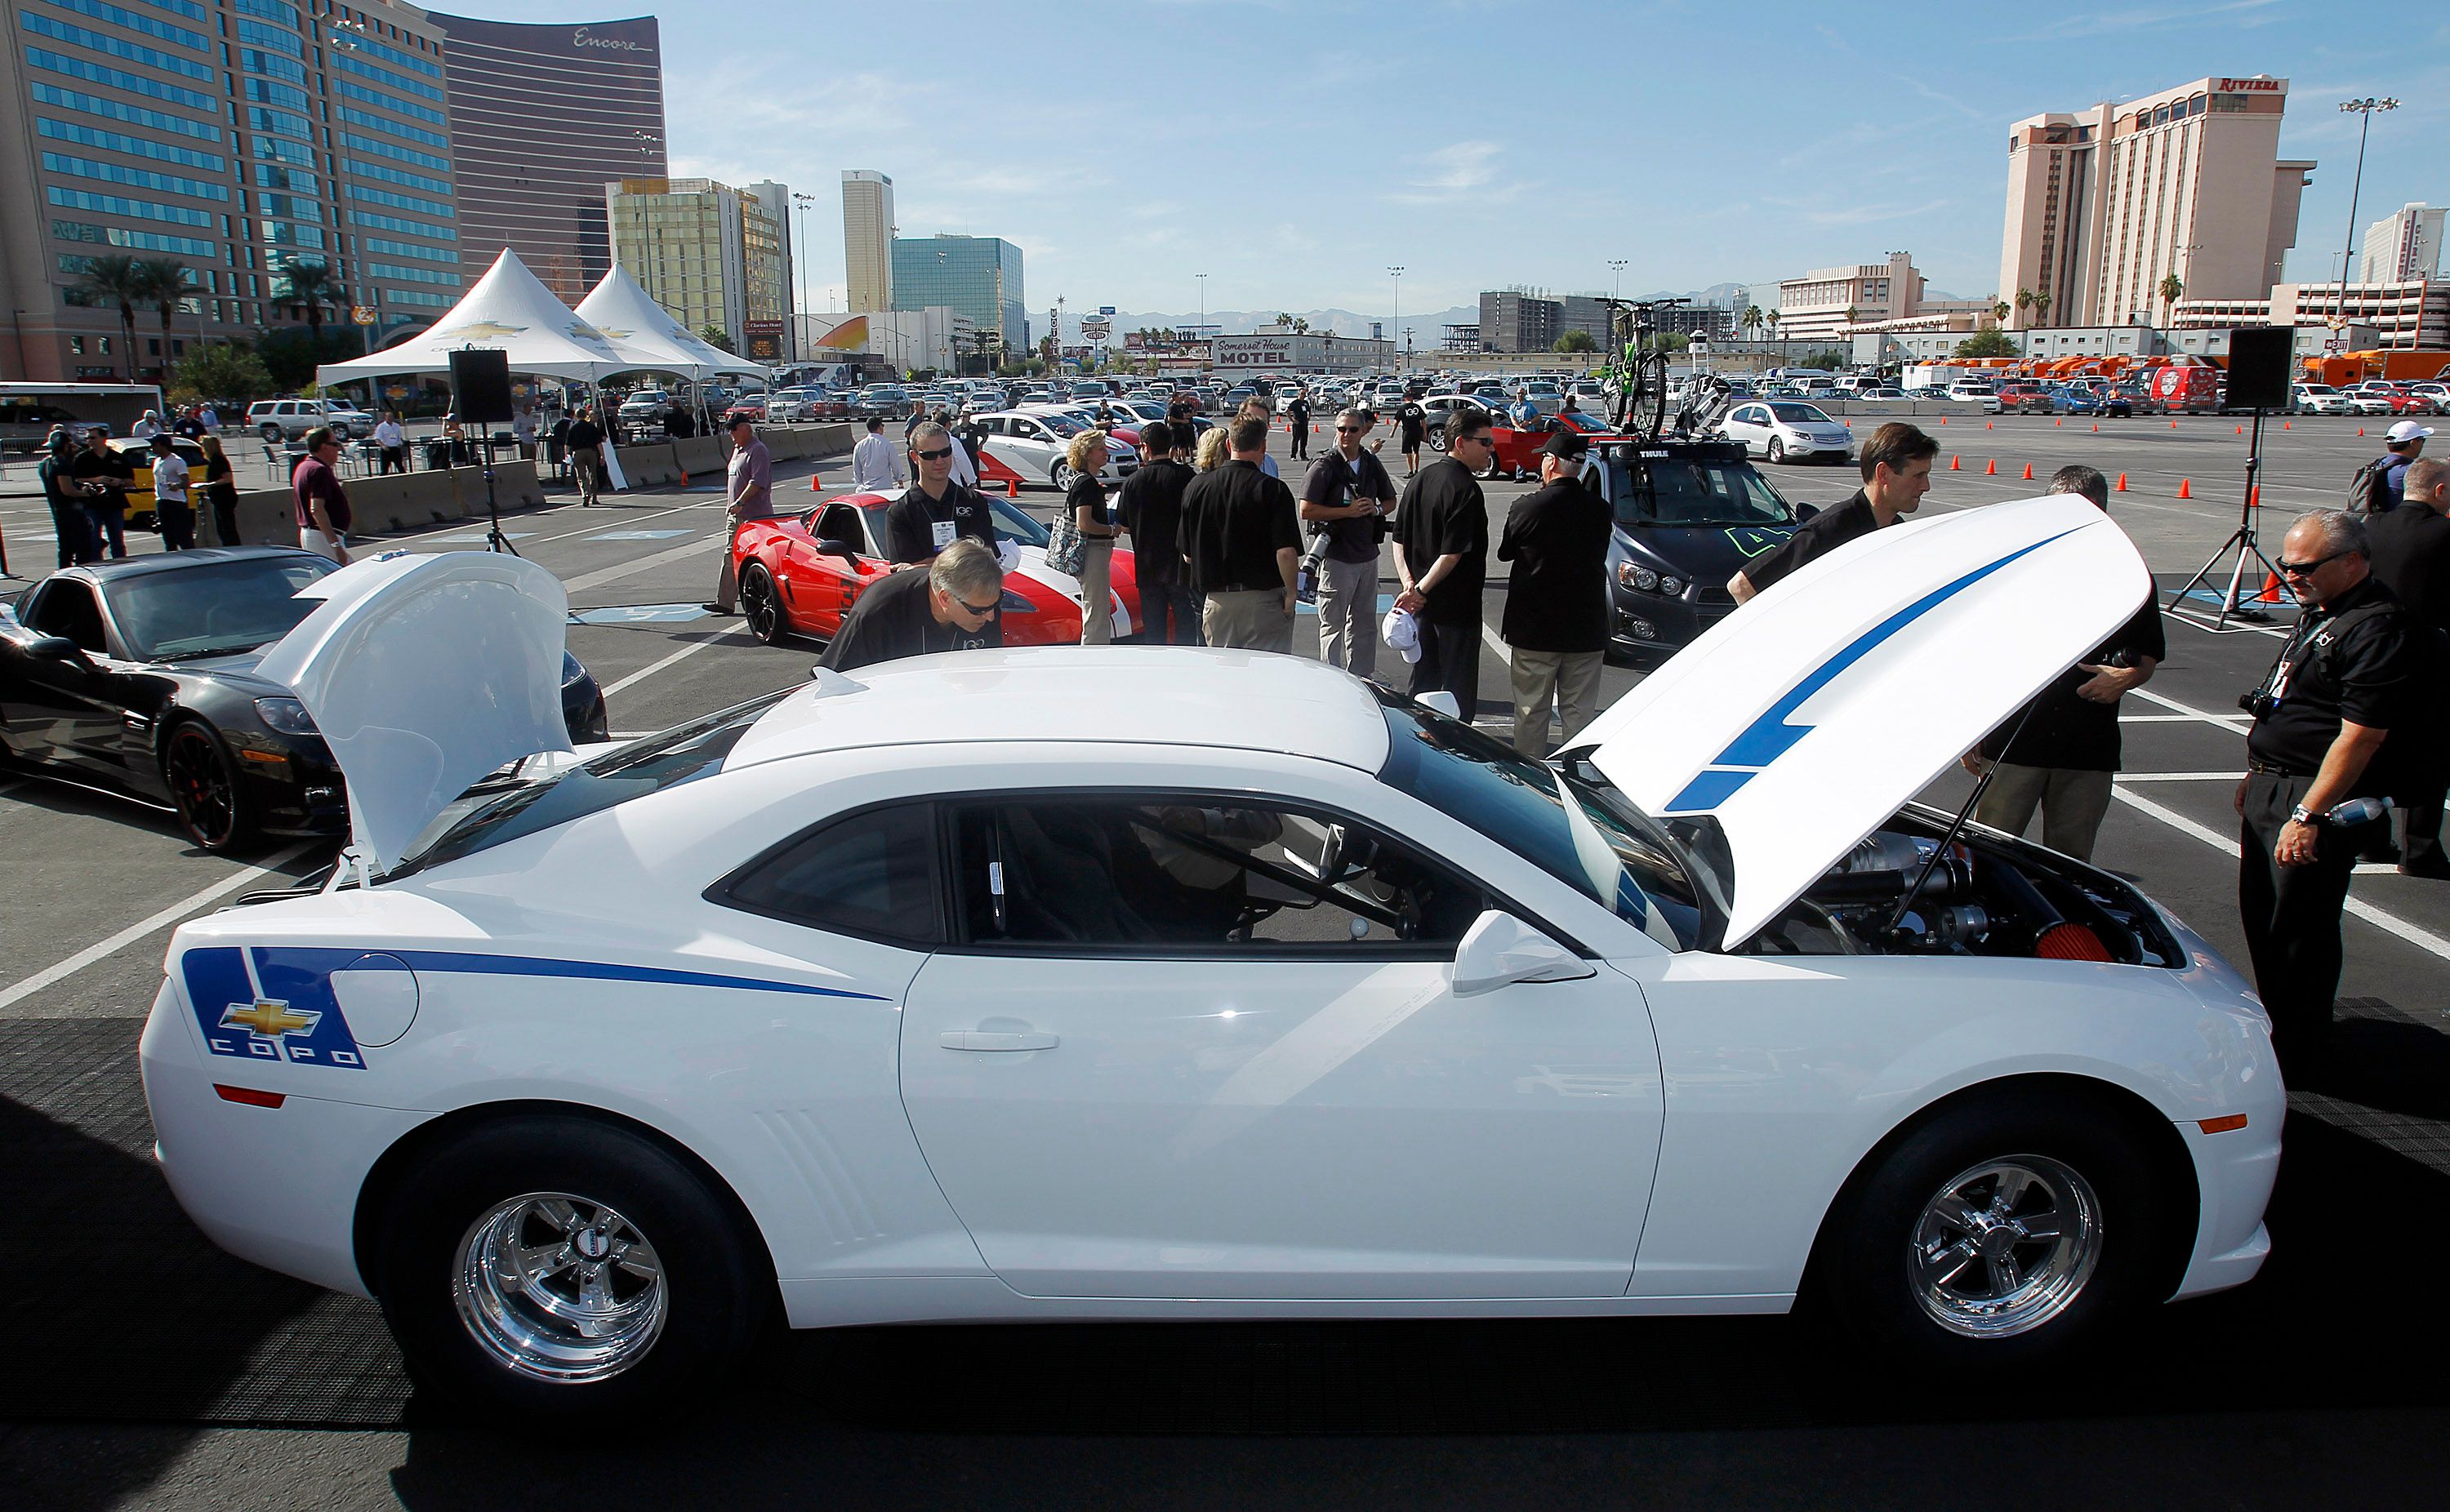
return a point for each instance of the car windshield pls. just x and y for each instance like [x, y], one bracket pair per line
[1587, 836]
[492, 813]
[1800, 413]
[1693, 491]
[212, 608]
[1012, 522]
[1062, 425]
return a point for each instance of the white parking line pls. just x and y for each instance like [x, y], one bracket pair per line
[2230, 722]
[2179, 777]
[111, 944]
[2420, 938]
[653, 668]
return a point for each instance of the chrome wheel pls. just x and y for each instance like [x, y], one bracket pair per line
[1063, 477]
[2005, 1247]
[558, 1288]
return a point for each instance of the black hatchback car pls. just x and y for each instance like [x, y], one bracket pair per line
[138, 677]
[1688, 515]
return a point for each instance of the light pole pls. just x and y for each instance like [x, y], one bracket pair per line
[1396, 271]
[800, 203]
[1203, 301]
[1616, 265]
[2363, 109]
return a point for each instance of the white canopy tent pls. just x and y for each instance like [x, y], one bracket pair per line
[630, 318]
[509, 311]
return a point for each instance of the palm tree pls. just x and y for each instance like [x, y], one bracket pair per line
[1851, 313]
[2169, 290]
[2042, 306]
[308, 282]
[119, 279]
[1772, 318]
[1752, 318]
[2023, 302]
[2000, 311]
[1301, 325]
[166, 284]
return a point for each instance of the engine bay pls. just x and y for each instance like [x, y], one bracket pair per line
[1979, 898]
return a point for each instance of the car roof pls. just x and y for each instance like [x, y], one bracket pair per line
[176, 561]
[1123, 695]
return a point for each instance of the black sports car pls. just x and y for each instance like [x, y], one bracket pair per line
[139, 677]
[1688, 515]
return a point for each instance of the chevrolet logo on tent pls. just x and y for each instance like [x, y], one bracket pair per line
[482, 331]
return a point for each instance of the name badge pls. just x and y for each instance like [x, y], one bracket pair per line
[943, 531]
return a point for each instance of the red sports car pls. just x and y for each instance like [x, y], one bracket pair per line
[800, 574]
[1516, 453]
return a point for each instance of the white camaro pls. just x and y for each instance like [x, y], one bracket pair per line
[1173, 983]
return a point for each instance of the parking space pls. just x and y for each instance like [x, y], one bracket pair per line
[103, 882]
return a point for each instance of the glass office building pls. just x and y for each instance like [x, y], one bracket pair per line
[973, 276]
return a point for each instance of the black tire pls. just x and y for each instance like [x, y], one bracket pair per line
[203, 784]
[719, 1283]
[1437, 438]
[761, 603]
[272, 433]
[1864, 1268]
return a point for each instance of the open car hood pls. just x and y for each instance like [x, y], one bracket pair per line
[425, 674]
[1803, 721]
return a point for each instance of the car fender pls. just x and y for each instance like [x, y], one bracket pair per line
[1840, 1051]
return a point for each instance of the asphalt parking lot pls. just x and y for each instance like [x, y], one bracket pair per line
[2296, 1391]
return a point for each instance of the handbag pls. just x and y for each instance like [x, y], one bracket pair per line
[1067, 550]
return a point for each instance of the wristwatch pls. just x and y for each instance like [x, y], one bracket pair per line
[2303, 815]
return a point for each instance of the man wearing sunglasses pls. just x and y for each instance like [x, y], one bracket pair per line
[1346, 499]
[749, 492]
[935, 511]
[2353, 672]
[1442, 557]
[951, 607]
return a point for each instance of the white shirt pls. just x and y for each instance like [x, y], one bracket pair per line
[388, 433]
[875, 464]
[171, 478]
[145, 430]
[211, 419]
[524, 428]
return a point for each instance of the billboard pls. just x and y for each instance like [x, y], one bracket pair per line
[1096, 329]
[762, 341]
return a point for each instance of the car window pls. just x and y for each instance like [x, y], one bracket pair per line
[1185, 873]
[870, 874]
[1010, 522]
[69, 608]
[1800, 413]
[1024, 428]
[1600, 846]
[840, 522]
[214, 606]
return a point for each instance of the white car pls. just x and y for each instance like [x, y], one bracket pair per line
[1973, 390]
[1175, 983]
[1788, 431]
[2437, 394]
[789, 406]
[2369, 398]
[2318, 398]
[1032, 442]
[287, 419]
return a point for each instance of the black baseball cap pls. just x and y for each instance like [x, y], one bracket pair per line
[1565, 446]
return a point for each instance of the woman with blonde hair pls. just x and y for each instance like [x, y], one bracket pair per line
[1088, 455]
[1213, 449]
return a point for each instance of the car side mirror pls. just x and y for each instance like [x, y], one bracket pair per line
[55, 649]
[1443, 702]
[1498, 949]
[829, 547]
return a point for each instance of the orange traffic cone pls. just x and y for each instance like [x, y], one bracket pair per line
[2284, 425]
[2096, 428]
[1991, 469]
[1986, 425]
[1943, 420]
[2360, 430]
[2122, 484]
[2254, 498]
[1955, 464]
[2186, 489]
[2029, 472]
[1012, 488]
[2241, 430]
[2058, 422]
[2173, 425]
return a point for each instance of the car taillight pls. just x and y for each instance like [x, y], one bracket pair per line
[249, 1096]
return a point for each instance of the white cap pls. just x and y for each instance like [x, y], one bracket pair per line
[1403, 633]
[2406, 430]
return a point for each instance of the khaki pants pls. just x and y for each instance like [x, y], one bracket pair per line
[1253, 621]
[1348, 615]
[1096, 594]
[321, 545]
[1573, 677]
[2072, 804]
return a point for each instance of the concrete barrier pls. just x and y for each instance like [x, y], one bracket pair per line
[649, 466]
[397, 502]
[702, 453]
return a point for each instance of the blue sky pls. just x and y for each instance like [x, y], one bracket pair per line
[1293, 150]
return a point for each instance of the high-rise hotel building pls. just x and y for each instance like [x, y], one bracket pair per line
[868, 240]
[228, 137]
[2104, 204]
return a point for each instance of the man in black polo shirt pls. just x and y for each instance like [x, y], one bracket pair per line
[1242, 543]
[1557, 601]
[1150, 511]
[2341, 684]
[951, 607]
[2411, 558]
[1895, 464]
[1442, 557]
[935, 512]
[1345, 496]
[102, 480]
[1298, 413]
[2059, 751]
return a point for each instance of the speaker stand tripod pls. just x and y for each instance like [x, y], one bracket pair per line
[494, 539]
[2243, 541]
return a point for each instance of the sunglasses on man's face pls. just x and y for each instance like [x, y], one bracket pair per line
[936, 455]
[1348, 430]
[978, 610]
[2308, 568]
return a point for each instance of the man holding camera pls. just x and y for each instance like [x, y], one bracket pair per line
[1345, 501]
[2351, 674]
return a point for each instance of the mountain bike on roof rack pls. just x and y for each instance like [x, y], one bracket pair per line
[1635, 378]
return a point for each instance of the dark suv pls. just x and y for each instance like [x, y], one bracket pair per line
[1689, 514]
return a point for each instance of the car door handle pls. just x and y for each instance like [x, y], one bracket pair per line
[994, 1039]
